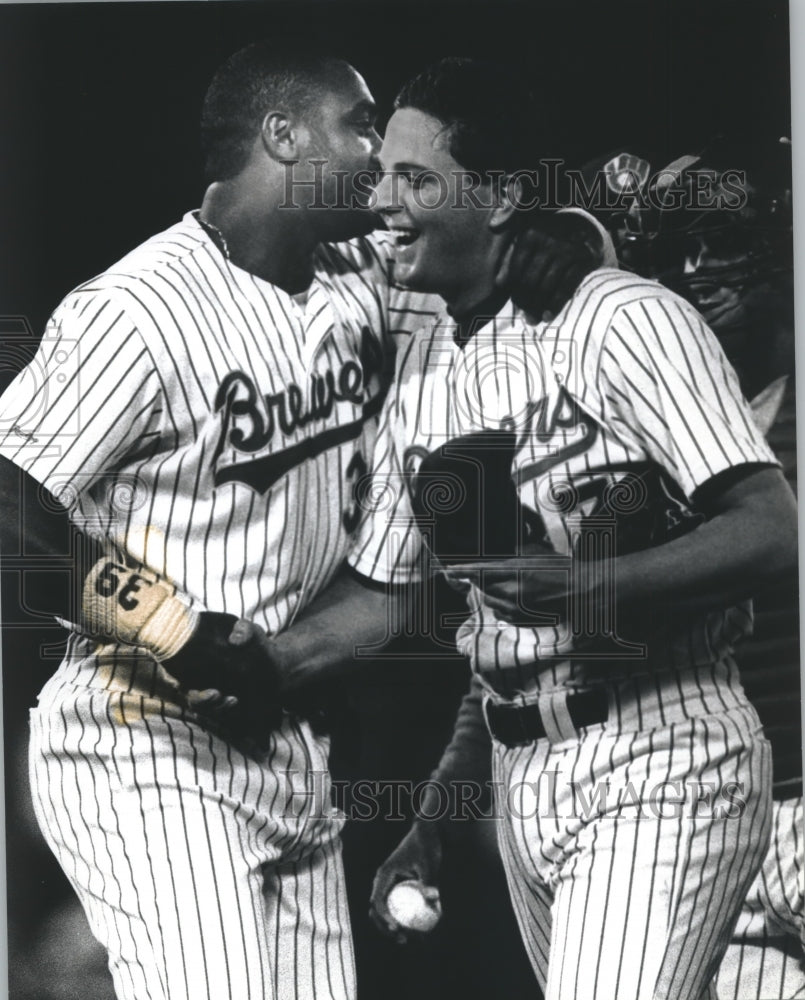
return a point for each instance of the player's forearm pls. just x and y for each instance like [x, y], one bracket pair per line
[66, 573]
[461, 778]
[749, 542]
[41, 547]
[324, 641]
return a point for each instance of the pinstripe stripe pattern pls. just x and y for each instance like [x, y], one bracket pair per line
[766, 955]
[622, 889]
[127, 389]
[203, 871]
[214, 427]
[627, 373]
[614, 901]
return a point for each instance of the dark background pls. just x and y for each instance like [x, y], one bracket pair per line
[98, 112]
[99, 102]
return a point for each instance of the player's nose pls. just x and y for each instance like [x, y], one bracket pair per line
[377, 142]
[385, 193]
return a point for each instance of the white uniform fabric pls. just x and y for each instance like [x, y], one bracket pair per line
[634, 895]
[215, 428]
[205, 872]
[766, 956]
[609, 905]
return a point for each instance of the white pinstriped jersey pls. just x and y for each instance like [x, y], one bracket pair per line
[626, 377]
[211, 424]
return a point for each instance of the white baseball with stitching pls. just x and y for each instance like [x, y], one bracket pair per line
[410, 907]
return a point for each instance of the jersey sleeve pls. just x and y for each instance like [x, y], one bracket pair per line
[90, 395]
[667, 384]
[388, 545]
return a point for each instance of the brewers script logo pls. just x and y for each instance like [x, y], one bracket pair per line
[251, 421]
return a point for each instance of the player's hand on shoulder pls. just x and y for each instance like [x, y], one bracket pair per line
[417, 857]
[549, 257]
[229, 672]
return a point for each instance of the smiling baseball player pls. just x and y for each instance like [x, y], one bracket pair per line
[596, 484]
[203, 410]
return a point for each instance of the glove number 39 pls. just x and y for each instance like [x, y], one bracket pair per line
[355, 473]
[107, 584]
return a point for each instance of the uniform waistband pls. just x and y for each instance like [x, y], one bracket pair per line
[642, 702]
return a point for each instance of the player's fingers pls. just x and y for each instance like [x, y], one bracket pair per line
[569, 277]
[384, 879]
[380, 912]
[382, 918]
[539, 560]
[388, 928]
[203, 699]
[377, 906]
[503, 274]
[539, 289]
[396, 868]
[212, 701]
[528, 272]
[499, 588]
[460, 583]
[243, 631]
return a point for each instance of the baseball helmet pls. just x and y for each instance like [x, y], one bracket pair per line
[733, 198]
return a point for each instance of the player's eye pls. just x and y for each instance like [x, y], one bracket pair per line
[416, 178]
[365, 126]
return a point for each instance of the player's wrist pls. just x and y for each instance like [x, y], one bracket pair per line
[131, 604]
[434, 811]
[199, 660]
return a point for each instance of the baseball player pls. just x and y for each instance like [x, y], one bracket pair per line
[733, 264]
[187, 440]
[737, 270]
[596, 484]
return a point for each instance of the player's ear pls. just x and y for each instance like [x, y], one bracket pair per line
[508, 198]
[278, 136]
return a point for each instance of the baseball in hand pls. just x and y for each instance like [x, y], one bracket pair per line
[411, 908]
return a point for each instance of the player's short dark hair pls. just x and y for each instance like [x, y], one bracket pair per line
[491, 117]
[250, 83]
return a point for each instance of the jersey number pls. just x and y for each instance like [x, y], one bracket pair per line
[356, 476]
[107, 584]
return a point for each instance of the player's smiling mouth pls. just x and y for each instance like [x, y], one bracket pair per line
[403, 237]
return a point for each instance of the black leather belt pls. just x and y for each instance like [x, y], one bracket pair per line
[516, 725]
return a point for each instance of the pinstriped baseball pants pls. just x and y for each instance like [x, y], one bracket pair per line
[205, 872]
[766, 956]
[628, 853]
